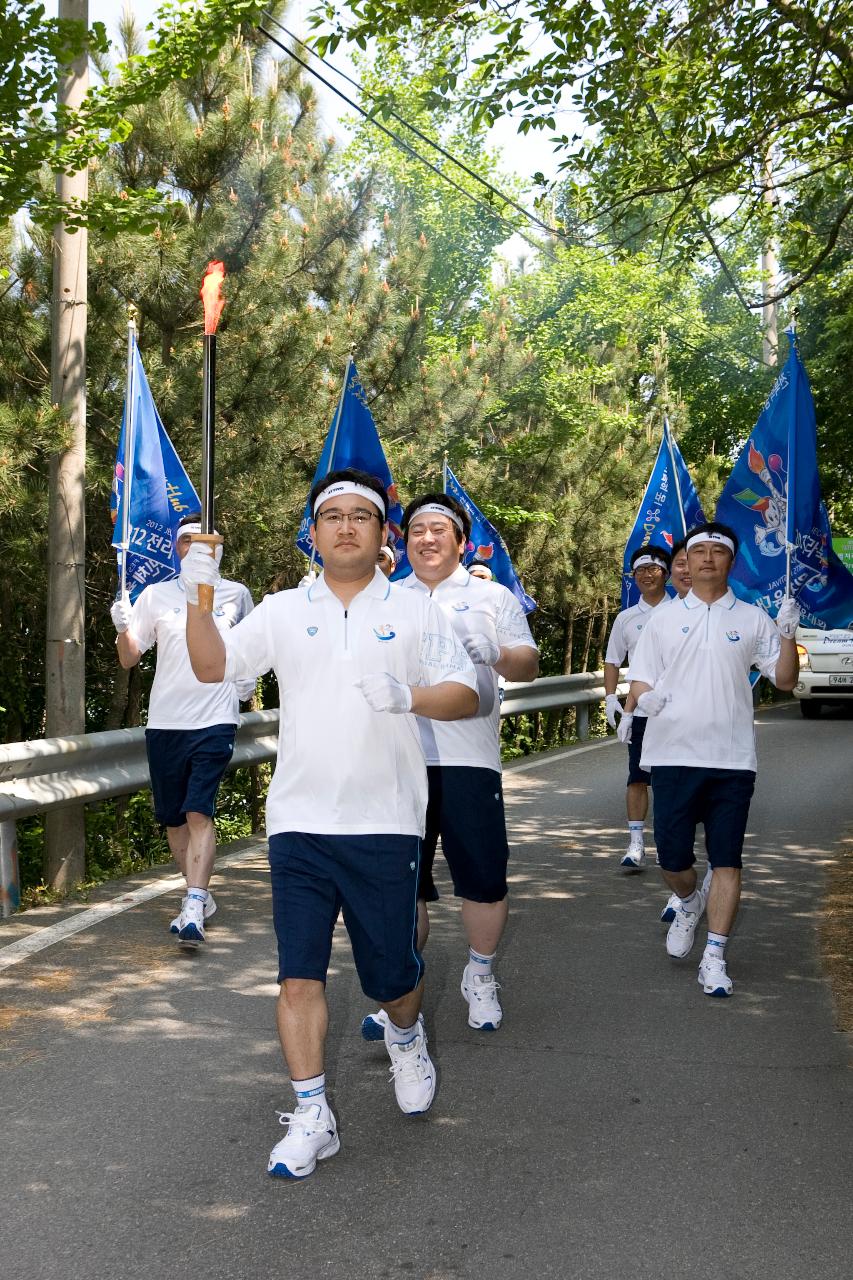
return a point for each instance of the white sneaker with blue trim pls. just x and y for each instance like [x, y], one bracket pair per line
[209, 910]
[681, 934]
[484, 1007]
[713, 977]
[412, 1071]
[312, 1135]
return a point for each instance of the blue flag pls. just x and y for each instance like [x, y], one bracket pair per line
[487, 544]
[353, 441]
[161, 492]
[662, 519]
[772, 499]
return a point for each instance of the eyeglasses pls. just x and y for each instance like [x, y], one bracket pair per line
[337, 518]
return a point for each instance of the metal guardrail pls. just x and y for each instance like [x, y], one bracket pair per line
[53, 773]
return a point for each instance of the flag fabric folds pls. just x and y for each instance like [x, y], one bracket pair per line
[353, 441]
[670, 507]
[486, 543]
[772, 501]
[160, 490]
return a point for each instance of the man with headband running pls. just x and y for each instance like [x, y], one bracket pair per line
[650, 567]
[464, 759]
[356, 660]
[690, 674]
[191, 727]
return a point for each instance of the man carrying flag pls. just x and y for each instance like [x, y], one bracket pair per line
[690, 675]
[463, 758]
[650, 569]
[190, 730]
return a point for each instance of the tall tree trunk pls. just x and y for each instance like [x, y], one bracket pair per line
[587, 641]
[65, 838]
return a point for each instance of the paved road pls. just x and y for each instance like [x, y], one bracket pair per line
[620, 1125]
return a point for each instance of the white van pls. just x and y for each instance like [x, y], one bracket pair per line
[826, 669]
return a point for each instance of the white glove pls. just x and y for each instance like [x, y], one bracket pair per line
[384, 693]
[652, 702]
[482, 648]
[612, 708]
[198, 566]
[120, 612]
[623, 731]
[788, 618]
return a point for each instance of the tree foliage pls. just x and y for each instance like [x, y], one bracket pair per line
[682, 103]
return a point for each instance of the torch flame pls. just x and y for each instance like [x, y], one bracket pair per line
[211, 295]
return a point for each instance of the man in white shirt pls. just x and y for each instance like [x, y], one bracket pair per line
[650, 567]
[191, 727]
[357, 659]
[690, 674]
[463, 758]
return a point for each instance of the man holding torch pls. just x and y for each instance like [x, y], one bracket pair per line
[356, 660]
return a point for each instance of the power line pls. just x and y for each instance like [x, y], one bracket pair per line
[599, 251]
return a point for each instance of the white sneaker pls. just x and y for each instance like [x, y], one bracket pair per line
[484, 1008]
[209, 910]
[713, 978]
[191, 922]
[312, 1135]
[668, 913]
[682, 931]
[373, 1026]
[635, 856]
[412, 1071]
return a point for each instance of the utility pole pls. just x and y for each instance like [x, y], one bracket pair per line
[769, 275]
[65, 695]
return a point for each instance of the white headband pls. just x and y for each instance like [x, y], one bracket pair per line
[649, 558]
[387, 551]
[711, 537]
[348, 486]
[437, 509]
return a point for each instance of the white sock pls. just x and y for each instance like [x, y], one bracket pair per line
[692, 902]
[402, 1037]
[636, 828]
[715, 947]
[480, 966]
[193, 891]
[311, 1092]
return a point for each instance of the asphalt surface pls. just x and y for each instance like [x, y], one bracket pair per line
[619, 1125]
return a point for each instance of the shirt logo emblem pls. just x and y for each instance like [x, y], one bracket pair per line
[461, 607]
[385, 632]
[733, 636]
[312, 631]
[685, 630]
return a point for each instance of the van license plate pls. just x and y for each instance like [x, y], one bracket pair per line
[841, 679]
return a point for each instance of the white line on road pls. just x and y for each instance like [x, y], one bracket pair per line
[32, 943]
[563, 755]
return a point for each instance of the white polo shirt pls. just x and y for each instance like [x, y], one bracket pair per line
[470, 603]
[700, 655]
[626, 631]
[178, 700]
[344, 769]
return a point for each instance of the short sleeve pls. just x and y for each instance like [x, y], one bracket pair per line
[247, 604]
[248, 649]
[511, 624]
[766, 645]
[617, 649]
[442, 657]
[142, 621]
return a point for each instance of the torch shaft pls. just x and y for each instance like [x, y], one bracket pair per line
[208, 419]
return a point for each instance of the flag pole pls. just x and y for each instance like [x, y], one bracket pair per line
[790, 488]
[444, 474]
[667, 431]
[129, 443]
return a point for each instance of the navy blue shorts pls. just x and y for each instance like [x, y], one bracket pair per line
[685, 796]
[466, 808]
[635, 750]
[374, 880]
[186, 767]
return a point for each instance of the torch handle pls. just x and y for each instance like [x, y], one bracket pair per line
[205, 590]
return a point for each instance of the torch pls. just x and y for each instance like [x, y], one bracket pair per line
[213, 303]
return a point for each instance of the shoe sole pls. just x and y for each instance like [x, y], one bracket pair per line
[628, 864]
[371, 1030]
[189, 936]
[479, 1026]
[282, 1171]
[718, 992]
